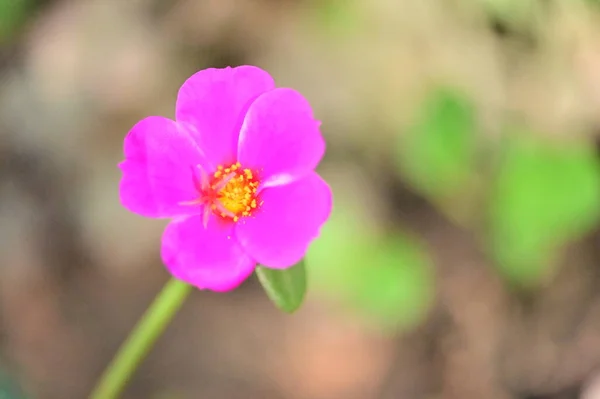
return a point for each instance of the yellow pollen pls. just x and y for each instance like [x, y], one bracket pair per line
[234, 192]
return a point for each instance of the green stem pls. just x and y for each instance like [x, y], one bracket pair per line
[141, 339]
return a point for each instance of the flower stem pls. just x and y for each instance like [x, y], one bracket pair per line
[141, 339]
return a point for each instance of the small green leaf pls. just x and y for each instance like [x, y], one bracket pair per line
[545, 194]
[286, 287]
[437, 153]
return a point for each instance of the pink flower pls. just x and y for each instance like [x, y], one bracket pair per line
[235, 172]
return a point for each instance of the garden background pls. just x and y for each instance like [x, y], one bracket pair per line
[462, 259]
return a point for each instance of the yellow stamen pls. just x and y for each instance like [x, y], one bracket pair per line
[230, 193]
[235, 190]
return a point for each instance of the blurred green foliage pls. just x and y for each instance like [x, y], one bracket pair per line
[338, 17]
[545, 194]
[437, 154]
[388, 281]
[540, 196]
[522, 16]
[13, 14]
[9, 387]
[286, 288]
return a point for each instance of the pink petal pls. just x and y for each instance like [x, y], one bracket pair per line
[290, 218]
[280, 138]
[160, 156]
[215, 101]
[208, 258]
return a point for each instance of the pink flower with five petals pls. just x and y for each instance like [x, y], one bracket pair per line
[235, 171]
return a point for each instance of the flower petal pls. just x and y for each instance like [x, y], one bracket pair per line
[208, 258]
[215, 101]
[280, 138]
[290, 218]
[160, 156]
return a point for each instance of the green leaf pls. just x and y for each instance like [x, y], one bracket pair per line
[437, 153]
[286, 287]
[545, 194]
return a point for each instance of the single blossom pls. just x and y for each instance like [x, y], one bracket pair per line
[235, 171]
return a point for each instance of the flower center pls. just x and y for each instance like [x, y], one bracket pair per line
[236, 190]
[230, 193]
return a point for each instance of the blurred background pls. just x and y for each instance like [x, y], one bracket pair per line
[463, 256]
